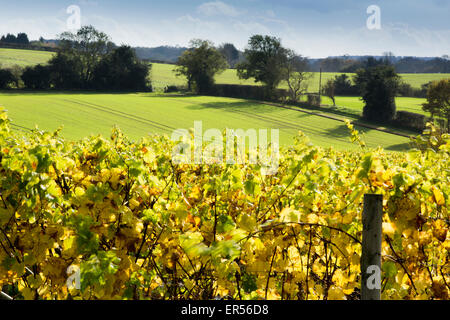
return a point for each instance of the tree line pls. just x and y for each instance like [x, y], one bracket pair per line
[85, 60]
[21, 38]
[266, 61]
[401, 64]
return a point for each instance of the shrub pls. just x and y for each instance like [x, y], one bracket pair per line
[171, 88]
[343, 86]
[410, 120]
[6, 78]
[121, 70]
[313, 100]
[37, 77]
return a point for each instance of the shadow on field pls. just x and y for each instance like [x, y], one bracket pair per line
[399, 147]
[342, 131]
[246, 106]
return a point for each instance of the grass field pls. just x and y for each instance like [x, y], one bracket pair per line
[137, 115]
[163, 74]
[23, 58]
[356, 105]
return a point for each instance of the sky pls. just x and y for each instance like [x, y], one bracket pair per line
[313, 28]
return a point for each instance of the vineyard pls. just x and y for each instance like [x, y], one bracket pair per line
[139, 226]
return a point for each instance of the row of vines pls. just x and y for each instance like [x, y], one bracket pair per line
[139, 226]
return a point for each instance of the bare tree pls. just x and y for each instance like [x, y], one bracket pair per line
[296, 75]
[329, 90]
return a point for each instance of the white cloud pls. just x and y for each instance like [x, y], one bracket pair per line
[48, 27]
[218, 8]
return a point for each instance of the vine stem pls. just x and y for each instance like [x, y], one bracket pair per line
[301, 224]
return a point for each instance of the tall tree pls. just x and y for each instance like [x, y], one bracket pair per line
[121, 70]
[199, 64]
[378, 86]
[438, 100]
[265, 60]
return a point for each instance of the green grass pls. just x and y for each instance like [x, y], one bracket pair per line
[355, 104]
[23, 58]
[163, 75]
[140, 114]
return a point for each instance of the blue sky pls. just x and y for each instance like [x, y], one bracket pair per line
[314, 28]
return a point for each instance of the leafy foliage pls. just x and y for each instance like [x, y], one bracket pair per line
[200, 64]
[378, 86]
[141, 227]
[121, 70]
[438, 100]
[265, 60]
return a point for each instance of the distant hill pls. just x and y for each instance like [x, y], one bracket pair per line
[401, 64]
[162, 53]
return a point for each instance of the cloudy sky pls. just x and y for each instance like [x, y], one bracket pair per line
[314, 28]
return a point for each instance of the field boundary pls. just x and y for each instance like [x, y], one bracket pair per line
[357, 123]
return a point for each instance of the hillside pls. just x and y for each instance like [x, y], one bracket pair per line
[23, 58]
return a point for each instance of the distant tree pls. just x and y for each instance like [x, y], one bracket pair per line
[350, 66]
[329, 90]
[438, 100]
[332, 64]
[199, 64]
[265, 60]
[405, 89]
[22, 38]
[89, 44]
[296, 74]
[388, 58]
[10, 38]
[378, 86]
[36, 77]
[230, 53]
[121, 70]
[343, 86]
[6, 78]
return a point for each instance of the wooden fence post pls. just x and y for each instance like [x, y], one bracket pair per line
[371, 247]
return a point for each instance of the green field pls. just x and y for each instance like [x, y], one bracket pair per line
[140, 114]
[163, 74]
[355, 105]
[23, 58]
